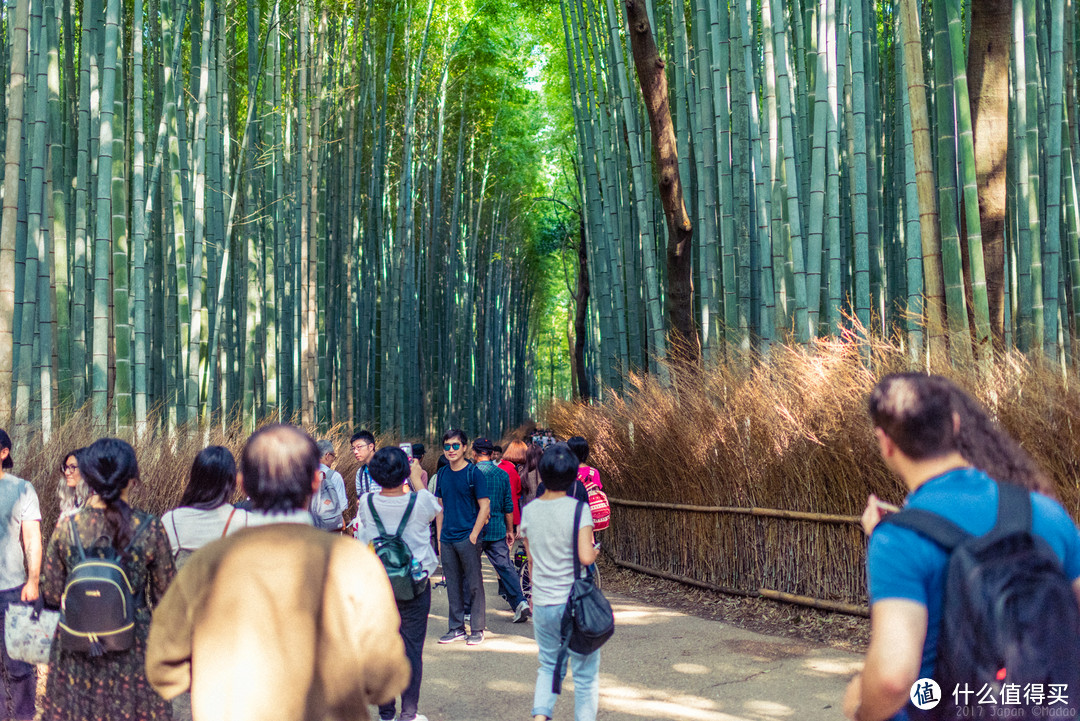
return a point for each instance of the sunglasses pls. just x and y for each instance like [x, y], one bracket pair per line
[451, 447]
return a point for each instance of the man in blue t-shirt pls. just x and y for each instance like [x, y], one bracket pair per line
[916, 430]
[466, 507]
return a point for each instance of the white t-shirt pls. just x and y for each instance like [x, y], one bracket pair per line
[18, 504]
[192, 528]
[548, 526]
[417, 535]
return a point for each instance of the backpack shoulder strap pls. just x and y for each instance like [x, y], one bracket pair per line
[937, 528]
[1014, 510]
[375, 516]
[574, 539]
[228, 522]
[76, 543]
[176, 532]
[135, 537]
[405, 517]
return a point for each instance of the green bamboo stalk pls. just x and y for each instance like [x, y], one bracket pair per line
[861, 219]
[980, 304]
[59, 209]
[12, 156]
[1052, 256]
[909, 36]
[102, 233]
[121, 313]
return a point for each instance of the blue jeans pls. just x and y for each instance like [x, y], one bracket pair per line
[547, 624]
[509, 582]
[23, 675]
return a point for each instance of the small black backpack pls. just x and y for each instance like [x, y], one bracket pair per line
[1010, 621]
[97, 610]
[395, 554]
[588, 621]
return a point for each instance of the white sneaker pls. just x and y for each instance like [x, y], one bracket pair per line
[522, 612]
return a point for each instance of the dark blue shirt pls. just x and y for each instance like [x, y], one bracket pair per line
[459, 491]
[903, 564]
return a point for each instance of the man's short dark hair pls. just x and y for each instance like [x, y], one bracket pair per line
[279, 464]
[558, 467]
[580, 447]
[389, 467]
[915, 411]
[456, 433]
[365, 436]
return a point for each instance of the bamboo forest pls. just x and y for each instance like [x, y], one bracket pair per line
[427, 213]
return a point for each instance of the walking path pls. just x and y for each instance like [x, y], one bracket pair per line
[659, 665]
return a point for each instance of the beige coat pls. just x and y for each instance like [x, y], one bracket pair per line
[279, 623]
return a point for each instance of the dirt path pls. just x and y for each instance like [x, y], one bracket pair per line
[660, 665]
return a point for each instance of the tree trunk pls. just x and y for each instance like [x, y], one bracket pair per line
[581, 304]
[988, 79]
[685, 345]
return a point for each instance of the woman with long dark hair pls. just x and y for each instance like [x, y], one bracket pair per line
[72, 489]
[530, 475]
[204, 513]
[112, 686]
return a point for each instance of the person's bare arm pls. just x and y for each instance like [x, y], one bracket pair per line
[897, 634]
[586, 546]
[31, 539]
[416, 475]
[481, 519]
[509, 518]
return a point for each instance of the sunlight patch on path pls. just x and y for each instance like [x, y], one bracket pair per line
[656, 704]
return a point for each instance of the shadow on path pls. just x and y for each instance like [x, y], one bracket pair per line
[660, 664]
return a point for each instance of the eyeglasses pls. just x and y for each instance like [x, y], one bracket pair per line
[69, 468]
[451, 447]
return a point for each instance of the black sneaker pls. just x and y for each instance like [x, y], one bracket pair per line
[475, 639]
[452, 636]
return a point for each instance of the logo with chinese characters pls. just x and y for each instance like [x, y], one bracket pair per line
[925, 694]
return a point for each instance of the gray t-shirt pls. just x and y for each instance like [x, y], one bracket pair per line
[18, 503]
[548, 524]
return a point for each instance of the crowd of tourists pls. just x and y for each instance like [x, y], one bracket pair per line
[274, 607]
[292, 605]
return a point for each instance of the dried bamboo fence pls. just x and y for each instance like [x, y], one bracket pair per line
[811, 559]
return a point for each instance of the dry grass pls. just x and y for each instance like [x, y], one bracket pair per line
[788, 431]
[164, 461]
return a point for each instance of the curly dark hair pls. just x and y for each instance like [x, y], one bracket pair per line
[988, 447]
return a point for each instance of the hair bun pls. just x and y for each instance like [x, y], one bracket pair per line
[110, 495]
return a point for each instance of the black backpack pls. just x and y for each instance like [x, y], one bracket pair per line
[395, 554]
[588, 621]
[97, 610]
[1010, 620]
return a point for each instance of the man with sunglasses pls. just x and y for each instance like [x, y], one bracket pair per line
[466, 507]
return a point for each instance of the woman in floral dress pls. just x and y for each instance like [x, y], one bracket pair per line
[112, 686]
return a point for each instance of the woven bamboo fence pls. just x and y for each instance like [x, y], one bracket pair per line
[813, 559]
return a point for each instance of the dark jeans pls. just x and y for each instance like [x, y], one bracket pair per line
[414, 618]
[498, 554]
[461, 566]
[23, 676]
